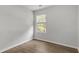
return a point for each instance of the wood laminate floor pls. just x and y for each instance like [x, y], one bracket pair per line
[38, 46]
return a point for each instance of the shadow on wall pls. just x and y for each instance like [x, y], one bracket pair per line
[27, 36]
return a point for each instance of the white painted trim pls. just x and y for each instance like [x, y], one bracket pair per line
[37, 39]
[25, 38]
[57, 43]
[14, 45]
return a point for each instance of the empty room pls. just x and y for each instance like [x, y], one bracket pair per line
[39, 28]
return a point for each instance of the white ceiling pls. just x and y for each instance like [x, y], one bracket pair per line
[36, 7]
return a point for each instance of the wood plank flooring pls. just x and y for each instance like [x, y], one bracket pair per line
[38, 46]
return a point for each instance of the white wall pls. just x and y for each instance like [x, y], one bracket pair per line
[15, 26]
[78, 28]
[61, 25]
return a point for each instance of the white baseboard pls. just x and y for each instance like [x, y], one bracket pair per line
[37, 39]
[12, 46]
[57, 43]
[27, 36]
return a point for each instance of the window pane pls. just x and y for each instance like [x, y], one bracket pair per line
[41, 18]
[41, 23]
[41, 27]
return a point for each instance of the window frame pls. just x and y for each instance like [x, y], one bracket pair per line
[39, 22]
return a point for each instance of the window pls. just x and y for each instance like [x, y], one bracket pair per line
[41, 23]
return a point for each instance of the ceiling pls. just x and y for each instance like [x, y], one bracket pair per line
[36, 7]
